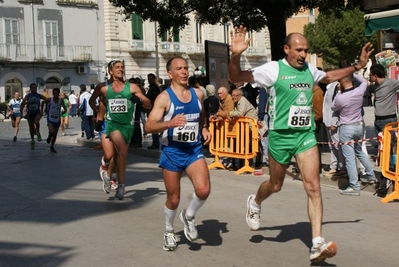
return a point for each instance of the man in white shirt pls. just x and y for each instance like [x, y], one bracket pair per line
[73, 100]
[86, 112]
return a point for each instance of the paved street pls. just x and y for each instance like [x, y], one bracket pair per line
[53, 212]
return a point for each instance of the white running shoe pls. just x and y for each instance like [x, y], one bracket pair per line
[253, 215]
[114, 184]
[322, 251]
[170, 241]
[101, 170]
[106, 182]
[190, 227]
[120, 191]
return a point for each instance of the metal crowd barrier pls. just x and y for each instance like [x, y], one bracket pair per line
[236, 138]
[388, 160]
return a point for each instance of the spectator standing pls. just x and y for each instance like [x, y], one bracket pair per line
[330, 120]
[349, 103]
[211, 104]
[201, 84]
[73, 101]
[160, 84]
[153, 92]
[137, 139]
[86, 113]
[384, 108]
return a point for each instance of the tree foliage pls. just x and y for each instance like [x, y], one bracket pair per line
[253, 14]
[337, 36]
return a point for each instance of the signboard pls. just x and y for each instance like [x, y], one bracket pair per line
[217, 61]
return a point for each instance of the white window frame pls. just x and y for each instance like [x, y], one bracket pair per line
[11, 32]
[51, 23]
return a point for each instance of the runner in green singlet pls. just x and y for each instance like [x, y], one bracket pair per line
[117, 98]
[290, 83]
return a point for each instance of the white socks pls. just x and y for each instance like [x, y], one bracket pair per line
[169, 218]
[104, 163]
[193, 207]
[253, 204]
[317, 240]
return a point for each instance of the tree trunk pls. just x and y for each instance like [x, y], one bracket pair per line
[277, 29]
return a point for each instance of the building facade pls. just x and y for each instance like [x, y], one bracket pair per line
[137, 43]
[53, 43]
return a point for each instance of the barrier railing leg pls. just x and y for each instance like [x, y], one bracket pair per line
[216, 164]
[394, 195]
[245, 168]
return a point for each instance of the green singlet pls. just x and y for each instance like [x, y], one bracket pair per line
[291, 114]
[120, 112]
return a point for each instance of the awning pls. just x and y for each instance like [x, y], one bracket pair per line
[385, 20]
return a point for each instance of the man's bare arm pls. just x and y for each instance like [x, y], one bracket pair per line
[146, 103]
[154, 122]
[335, 75]
[96, 93]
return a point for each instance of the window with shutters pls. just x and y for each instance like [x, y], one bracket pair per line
[50, 38]
[137, 27]
[50, 32]
[175, 37]
[11, 31]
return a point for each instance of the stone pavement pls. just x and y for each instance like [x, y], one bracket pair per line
[54, 213]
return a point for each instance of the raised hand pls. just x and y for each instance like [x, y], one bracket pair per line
[366, 52]
[238, 42]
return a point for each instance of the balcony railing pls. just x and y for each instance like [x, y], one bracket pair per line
[187, 48]
[142, 46]
[172, 47]
[47, 53]
[80, 3]
[195, 48]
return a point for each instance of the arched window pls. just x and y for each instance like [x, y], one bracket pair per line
[11, 86]
[52, 83]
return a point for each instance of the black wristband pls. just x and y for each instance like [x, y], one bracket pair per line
[354, 66]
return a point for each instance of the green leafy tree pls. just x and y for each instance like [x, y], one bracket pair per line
[338, 35]
[253, 14]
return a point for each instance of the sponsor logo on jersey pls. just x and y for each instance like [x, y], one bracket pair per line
[192, 116]
[288, 77]
[300, 86]
[179, 107]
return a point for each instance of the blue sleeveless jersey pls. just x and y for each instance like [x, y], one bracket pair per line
[188, 136]
[34, 106]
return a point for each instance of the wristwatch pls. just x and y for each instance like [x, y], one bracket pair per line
[354, 65]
